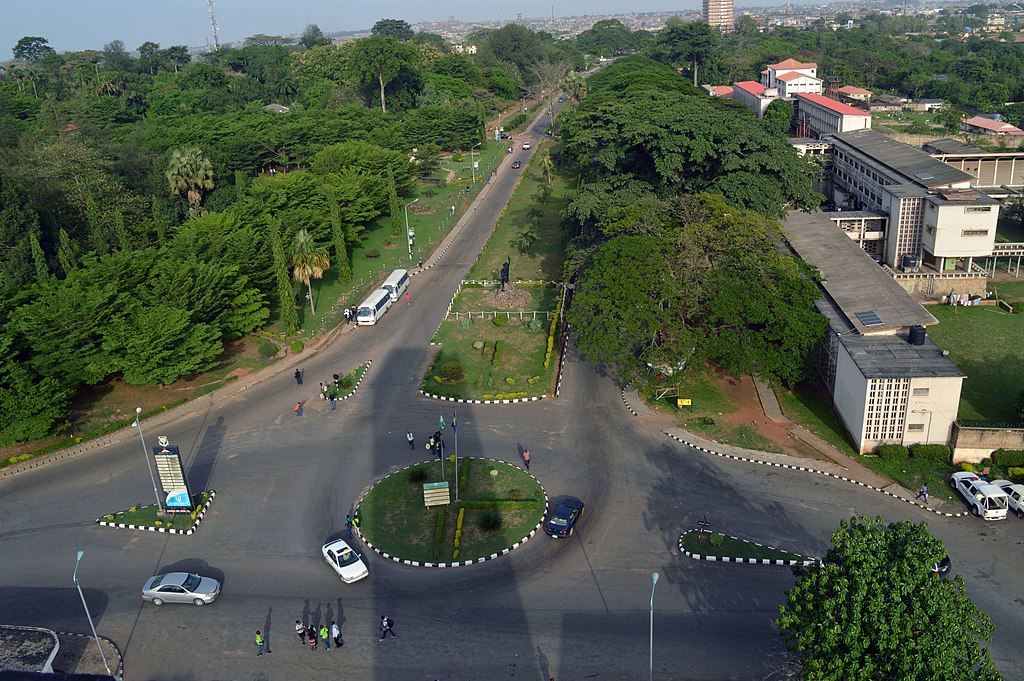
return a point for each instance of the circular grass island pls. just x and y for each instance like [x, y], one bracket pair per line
[499, 507]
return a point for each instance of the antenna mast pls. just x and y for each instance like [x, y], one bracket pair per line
[213, 23]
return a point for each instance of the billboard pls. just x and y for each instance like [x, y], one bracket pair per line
[172, 477]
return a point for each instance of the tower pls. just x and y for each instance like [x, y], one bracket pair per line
[718, 14]
[213, 23]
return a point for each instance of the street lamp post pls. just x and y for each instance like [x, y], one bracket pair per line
[654, 583]
[408, 232]
[145, 454]
[472, 162]
[74, 577]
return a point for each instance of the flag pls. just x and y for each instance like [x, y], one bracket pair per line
[455, 425]
[441, 426]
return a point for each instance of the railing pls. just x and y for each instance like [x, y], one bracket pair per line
[991, 425]
[944, 275]
[1008, 249]
[509, 314]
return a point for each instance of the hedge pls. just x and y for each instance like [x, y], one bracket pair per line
[892, 452]
[940, 453]
[499, 349]
[1016, 474]
[1008, 457]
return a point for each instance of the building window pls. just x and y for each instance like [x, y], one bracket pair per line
[915, 427]
[920, 392]
[978, 209]
[974, 232]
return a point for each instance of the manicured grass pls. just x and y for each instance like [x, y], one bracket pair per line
[146, 516]
[356, 374]
[475, 299]
[810, 407]
[700, 543]
[395, 520]
[910, 473]
[1011, 291]
[986, 343]
[522, 359]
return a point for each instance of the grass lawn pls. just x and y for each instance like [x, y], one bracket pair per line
[701, 543]
[395, 520]
[146, 516]
[808, 406]
[910, 473]
[1009, 231]
[1012, 291]
[986, 343]
[475, 299]
[522, 359]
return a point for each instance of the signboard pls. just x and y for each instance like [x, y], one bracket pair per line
[436, 494]
[172, 478]
[684, 402]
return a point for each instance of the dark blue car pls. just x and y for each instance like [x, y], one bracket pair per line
[563, 519]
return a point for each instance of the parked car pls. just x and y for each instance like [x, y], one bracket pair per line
[504, 136]
[985, 499]
[1014, 495]
[943, 567]
[516, 164]
[563, 519]
[526, 145]
[180, 587]
[346, 562]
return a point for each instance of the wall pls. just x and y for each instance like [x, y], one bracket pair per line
[974, 444]
[936, 411]
[936, 286]
[949, 221]
[850, 396]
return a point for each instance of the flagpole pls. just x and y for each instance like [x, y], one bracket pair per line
[440, 447]
[455, 429]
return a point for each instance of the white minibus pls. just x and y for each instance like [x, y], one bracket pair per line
[396, 284]
[373, 308]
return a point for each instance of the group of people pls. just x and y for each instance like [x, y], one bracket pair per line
[328, 391]
[350, 314]
[311, 635]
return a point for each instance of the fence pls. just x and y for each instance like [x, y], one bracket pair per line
[494, 314]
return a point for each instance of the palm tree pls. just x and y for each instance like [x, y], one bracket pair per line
[547, 165]
[524, 241]
[309, 261]
[575, 85]
[189, 173]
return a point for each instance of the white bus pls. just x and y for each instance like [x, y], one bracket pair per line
[396, 284]
[373, 308]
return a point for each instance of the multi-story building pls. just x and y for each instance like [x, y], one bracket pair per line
[821, 115]
[754, 95]
[719, 13]
[790, 77]
[936, 220]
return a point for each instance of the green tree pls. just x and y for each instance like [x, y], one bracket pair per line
[380, 59]
[575, 86]
[285, 292]
[524, 240]
[398, 29]
[547, 166]
[160, 344]
[778, 117]
[32, 48]
[189, 174]
[690, 42]
[313, 37]
[872, 609]
[31, 408]
[309, 261]
[950, 118]
[745, 25]
[605, 38]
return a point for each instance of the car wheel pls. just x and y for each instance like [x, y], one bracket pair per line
[1020, 512]
[199, 601]
[976, 511]
[158, 601]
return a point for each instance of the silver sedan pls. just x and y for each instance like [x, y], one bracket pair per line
[180, 587]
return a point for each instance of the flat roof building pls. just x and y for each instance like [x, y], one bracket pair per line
[718, 14]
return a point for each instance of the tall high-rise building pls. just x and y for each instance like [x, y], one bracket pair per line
[718, 13]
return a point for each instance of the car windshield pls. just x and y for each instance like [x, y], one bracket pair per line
[156, 581]
[562, 522]
[365, 312]
[192, 582]
[347, 557]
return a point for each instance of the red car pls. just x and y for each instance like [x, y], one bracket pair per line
[516, 164]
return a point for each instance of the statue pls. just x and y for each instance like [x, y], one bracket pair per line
[504, 272]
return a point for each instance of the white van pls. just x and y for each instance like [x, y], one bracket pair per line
[373, 308]
[396, 284]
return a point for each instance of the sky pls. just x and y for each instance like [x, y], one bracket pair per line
[71, 25]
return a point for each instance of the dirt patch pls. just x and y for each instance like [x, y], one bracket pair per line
[750, 413]
[511, 298]
[420, 209]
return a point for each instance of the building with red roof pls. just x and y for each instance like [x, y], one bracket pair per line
[791, 77]
[980, 125]
[825, 116]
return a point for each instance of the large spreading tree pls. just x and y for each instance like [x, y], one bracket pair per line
[872, 609]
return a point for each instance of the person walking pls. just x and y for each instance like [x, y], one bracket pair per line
[323, 391]
[411, 439]
[348, 523]
[261, 645]
[923, 493]
[297, 408]
[336, 633]
[348, 315]
[526, 458]
[298, 376]
[301, 631]
[325, 634]
[387, 627]
[355, 522]
[408, 300]
[332, 398]
[311, 636]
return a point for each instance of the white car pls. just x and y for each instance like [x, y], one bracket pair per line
[1014, 495]
[526, 145]
[346, 562]
[985, 499]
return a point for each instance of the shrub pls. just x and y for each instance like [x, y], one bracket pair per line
[717, 539]
[387, 241]
[940, 453]
[536, 324]
[510, 380]
[372, 253]
[705, 421]
[966, 467]
[500, 321]
[296, 347]
[457, 157]
[1016, 473]
[418, 475]
[490, 522]
[346, 381]
[465, 323]
[267, 349]
[452, 371]
[891, 452]
[438, 380]
[499, 349]
[438, 532]
[1008, 457]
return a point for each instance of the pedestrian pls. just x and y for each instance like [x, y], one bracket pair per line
[430, 443]
[408, 300]
[301, 631]
[336, 633]
[526, 458]
[298, 376]
[923, 493]
[355, 522]
[348, 315]
[260, 644]
[325, 634]
[297, 408]
[311, 636]
[386, 626]
[348, 523]
[323, 391]
[411, 439]
[333, 399]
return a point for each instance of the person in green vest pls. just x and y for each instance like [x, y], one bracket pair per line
[261, 645]
[325, 634]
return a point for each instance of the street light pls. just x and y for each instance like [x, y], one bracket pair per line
[472, 163]
[88, 616]
[145, 454]
[408, 232]
[654, 583]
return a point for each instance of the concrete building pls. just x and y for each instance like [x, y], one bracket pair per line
[818, 115]
[718, 90]
[888, 381]
[936, 220]
[719, 13]
[980, 125]
[754, 95]
[999, 174]
[790, 77]
[857, 94]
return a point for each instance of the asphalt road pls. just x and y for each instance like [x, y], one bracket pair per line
[572, 609]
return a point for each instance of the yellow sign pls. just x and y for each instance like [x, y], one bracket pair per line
[684, 402]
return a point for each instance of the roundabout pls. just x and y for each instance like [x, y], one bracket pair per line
[420, 516]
